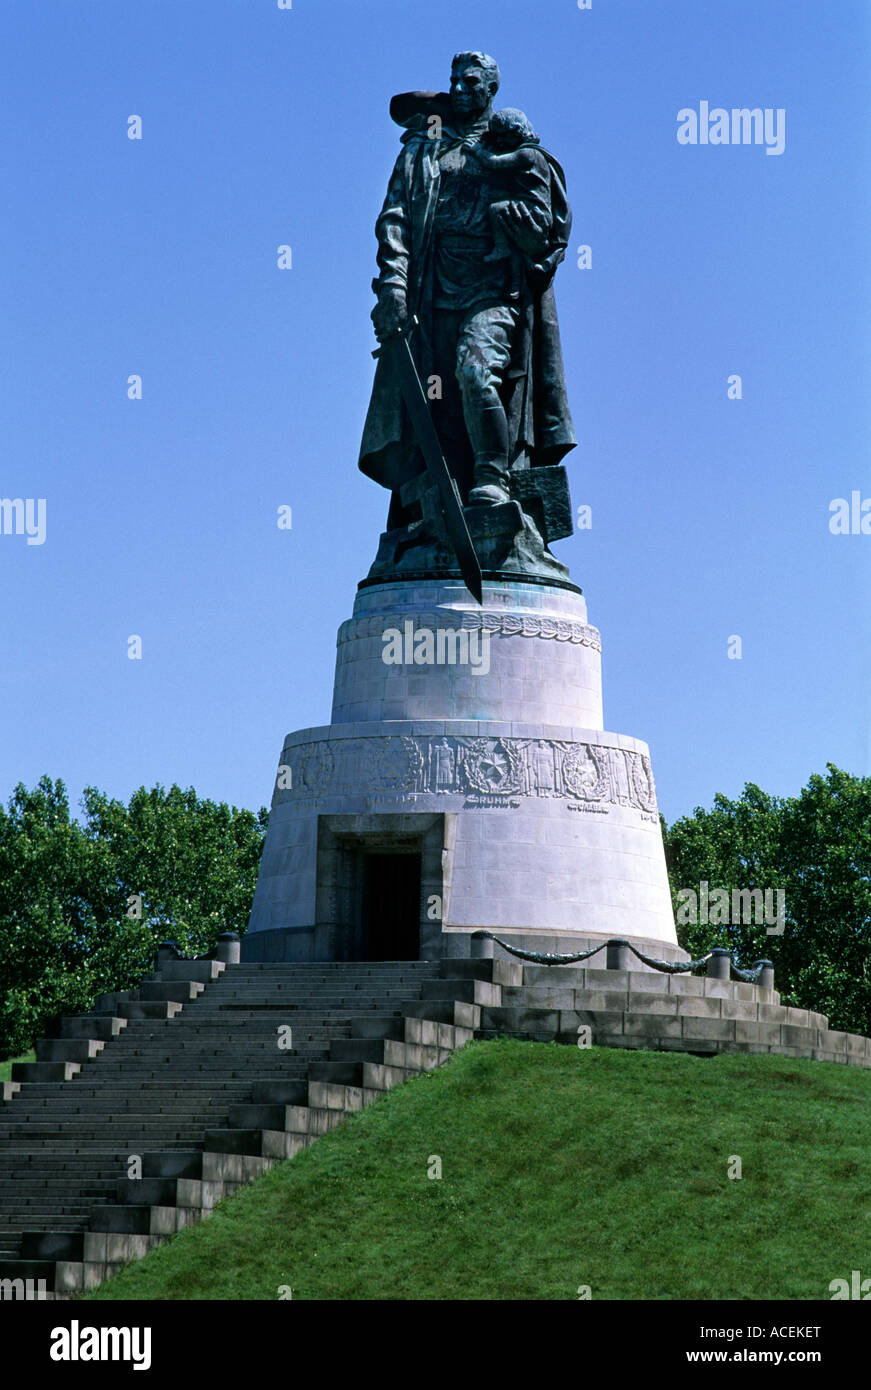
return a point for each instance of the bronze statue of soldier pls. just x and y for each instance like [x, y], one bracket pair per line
[483, 324]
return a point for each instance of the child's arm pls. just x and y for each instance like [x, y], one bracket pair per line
[511, 162]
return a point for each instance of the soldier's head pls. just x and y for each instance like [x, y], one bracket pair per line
[474, 83]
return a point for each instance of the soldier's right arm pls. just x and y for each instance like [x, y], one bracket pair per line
[393, 232]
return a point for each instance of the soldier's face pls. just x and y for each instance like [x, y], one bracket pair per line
[470, 91]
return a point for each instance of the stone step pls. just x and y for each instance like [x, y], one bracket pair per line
[142, 1069]
[234, 1141]
[170, 992]
[379, 1027]
[82, 1092]
[222, 1025]
[217, 1046]
[45, 1071]
[660, 1002]
[14, 1160]
[339, 1073]
[279, 1092]
[328, 970]
[155, 1192]
[267, 991]
[458, 1012]
[68, 1049]
[135, 1009]
[36, 1186]
[54, 1177]
[131, 1138]
[641, 981]
[179, 1163]
[28, 1269]
[52, 1245]
[30, 1213]
[202, 971]
[254, 1116]
[311, 1003]
[122, 1218]
[357, 1050]
[151, 1103]
[469, 991]
[105, 1026]
[497, 972]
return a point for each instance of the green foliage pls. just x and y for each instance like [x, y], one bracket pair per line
[193, 862]
[561, 1167]
[68, 931]
[816, 847]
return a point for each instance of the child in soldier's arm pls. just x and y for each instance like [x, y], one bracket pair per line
[509, 148]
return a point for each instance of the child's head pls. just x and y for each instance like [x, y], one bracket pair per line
[509, 128]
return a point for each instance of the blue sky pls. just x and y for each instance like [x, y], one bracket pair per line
[158, 257]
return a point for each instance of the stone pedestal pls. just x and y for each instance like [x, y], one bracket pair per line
[470, 738]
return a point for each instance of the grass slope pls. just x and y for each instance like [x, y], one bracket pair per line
[6, 1067]
[561, 1167]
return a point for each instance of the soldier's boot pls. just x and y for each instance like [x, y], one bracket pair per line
[488, 430]
[491, 482]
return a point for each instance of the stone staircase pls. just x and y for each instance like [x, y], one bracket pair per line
[683, 1013]
[185, 1081]
[186, 1075]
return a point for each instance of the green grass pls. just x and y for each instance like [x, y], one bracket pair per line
[6, 1067]
[561, 1167]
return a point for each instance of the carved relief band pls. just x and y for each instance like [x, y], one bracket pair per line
[402, 765]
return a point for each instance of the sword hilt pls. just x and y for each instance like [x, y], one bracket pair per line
[412, 323]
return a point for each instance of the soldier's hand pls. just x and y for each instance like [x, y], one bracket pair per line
[529, 232]
[390, 314]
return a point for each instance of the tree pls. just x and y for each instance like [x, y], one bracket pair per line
[68, 928]
[816, 848]
[194, 863]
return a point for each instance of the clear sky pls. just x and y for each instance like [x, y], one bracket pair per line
[158, 257]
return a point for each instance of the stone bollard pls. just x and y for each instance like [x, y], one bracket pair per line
[229, 948]
[720, 964]
[766, 977]
[617, 955]
[482, 947]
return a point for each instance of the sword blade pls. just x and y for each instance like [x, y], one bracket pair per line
[437, 470]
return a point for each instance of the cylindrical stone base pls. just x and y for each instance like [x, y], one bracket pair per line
[470, 736]
[427, 650]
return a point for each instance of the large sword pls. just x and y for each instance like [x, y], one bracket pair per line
[397, 346]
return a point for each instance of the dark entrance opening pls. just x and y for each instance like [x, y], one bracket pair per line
[391, 907]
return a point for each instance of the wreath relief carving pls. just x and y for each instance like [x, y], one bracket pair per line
[505, 624]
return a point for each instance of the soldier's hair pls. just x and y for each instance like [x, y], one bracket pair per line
[488, 65]
[510, 121]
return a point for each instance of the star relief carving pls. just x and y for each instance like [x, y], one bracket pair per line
[492, 765]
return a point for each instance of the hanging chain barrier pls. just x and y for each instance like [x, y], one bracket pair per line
[750, 977]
